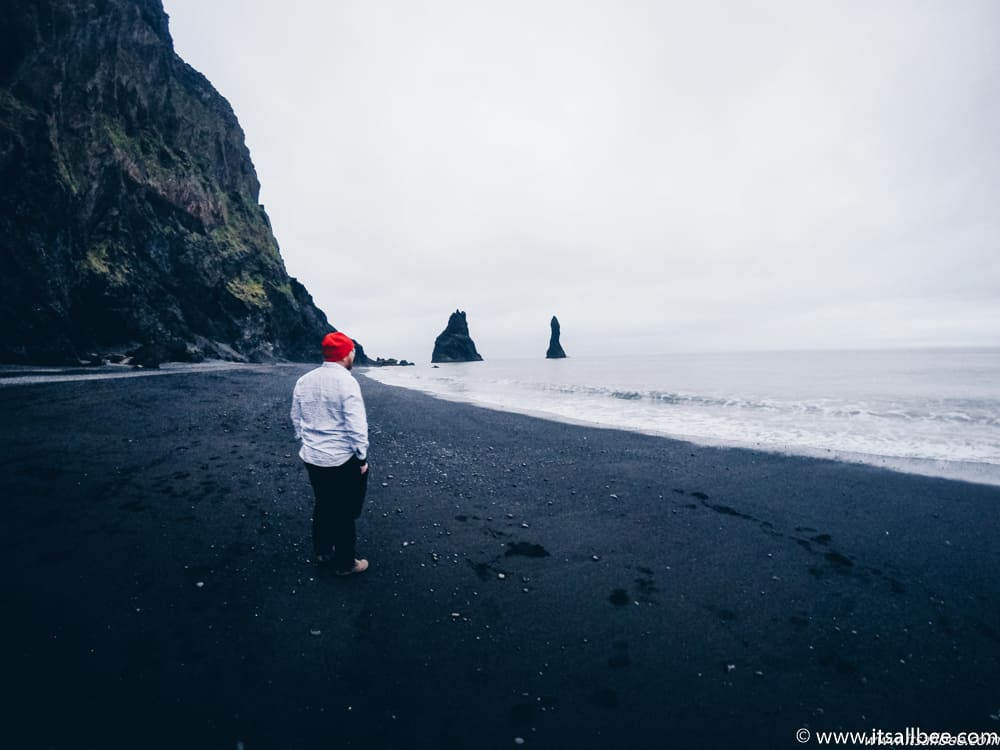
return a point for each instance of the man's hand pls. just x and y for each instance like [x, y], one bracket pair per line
[364, 468]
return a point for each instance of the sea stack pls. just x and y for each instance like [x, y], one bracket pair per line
[555, 348]
[454, 344]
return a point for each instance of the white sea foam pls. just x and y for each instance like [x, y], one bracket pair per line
[933, 412]
[13, 375]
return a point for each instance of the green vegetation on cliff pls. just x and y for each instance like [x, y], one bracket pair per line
[129, 210]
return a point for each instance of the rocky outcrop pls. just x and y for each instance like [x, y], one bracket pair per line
[555, 348]
[390, 362]
[129, 214]
[454, 344]
[360, 358]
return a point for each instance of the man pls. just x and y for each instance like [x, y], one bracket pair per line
[328, 414]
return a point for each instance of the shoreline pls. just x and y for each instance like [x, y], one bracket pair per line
[569, 586]
[959, 471]
[22, 375]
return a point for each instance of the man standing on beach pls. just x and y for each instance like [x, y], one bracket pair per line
[329, 417]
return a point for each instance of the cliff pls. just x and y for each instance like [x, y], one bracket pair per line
[129, 212]
[454, 343]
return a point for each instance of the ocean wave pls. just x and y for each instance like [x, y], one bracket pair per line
[982, 413]
[886, 417]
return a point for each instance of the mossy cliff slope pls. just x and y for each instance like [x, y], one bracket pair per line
[129, 209]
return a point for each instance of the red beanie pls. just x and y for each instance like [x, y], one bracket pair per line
[336, 346]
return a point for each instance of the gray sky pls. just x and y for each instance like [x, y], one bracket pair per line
[663, 176]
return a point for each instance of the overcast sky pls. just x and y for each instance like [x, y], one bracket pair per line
[663, 176]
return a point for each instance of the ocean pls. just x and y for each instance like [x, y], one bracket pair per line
[930, 411]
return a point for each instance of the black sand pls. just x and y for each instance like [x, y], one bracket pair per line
[565, 586]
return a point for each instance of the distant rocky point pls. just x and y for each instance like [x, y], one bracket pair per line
[454, 344]
[129, 214]
[555, 348]
[389, 362]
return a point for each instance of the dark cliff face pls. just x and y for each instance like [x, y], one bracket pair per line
[555, 350]
[128, 202]
[454, 343]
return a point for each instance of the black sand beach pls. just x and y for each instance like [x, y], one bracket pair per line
[532, 583]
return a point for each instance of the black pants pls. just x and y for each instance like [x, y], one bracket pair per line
[340, 493]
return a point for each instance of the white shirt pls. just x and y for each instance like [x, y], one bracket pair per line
[328, 415]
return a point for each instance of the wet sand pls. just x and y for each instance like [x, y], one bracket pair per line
[564, 586]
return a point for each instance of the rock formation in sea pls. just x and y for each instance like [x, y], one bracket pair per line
[129, 214]
[389, 362]
[454, 344]
[555, 348]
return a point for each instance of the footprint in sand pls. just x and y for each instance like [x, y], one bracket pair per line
[525, 549]
[839, 561]
[646, 587]
[619, 597]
